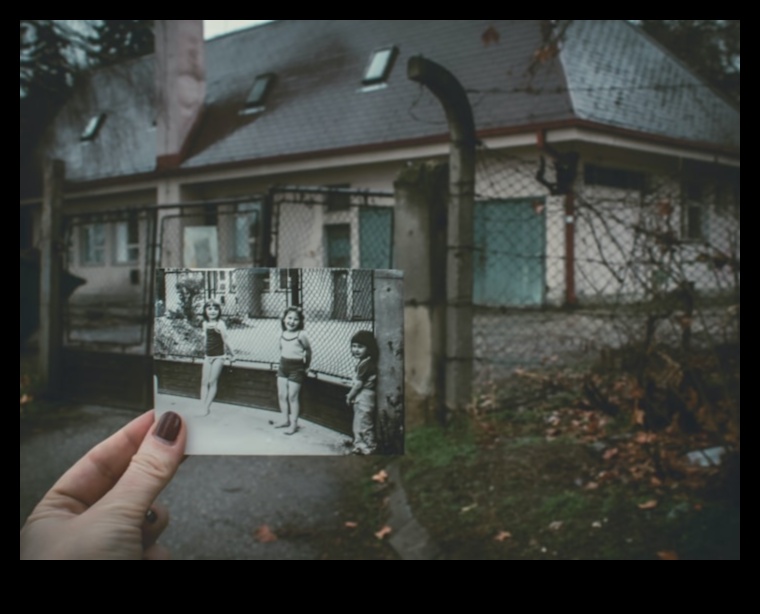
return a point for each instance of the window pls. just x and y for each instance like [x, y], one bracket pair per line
[613, 177]
[127, 240]
[380, 66]
[695, 208]
[257, 97]
[262, 280]
[338, 201]
[246, 231]
[338, 246]
[93, 244]
[93, 127]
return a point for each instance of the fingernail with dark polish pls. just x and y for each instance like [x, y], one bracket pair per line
[151, 516]
[168, 427]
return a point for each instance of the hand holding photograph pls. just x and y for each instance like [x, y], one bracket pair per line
[282, 361]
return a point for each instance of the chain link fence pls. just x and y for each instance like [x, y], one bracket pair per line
[615, 257]
[110, 256]
[332, 227]
[336, 304]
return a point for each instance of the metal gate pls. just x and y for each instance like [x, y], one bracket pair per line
[108, 321]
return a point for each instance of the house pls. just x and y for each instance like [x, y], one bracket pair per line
[279, 145]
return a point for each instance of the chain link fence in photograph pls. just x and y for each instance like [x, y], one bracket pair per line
[336, 303]
[615, 257]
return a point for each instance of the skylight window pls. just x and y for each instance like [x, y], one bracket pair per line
[380, 66]
[93, 127]
[259, 92]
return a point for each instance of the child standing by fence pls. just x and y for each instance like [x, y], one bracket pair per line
[295, 358]
[216, 346]
[362, 394]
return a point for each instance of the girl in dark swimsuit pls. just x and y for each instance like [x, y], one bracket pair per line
[295, 358]
[215, 337]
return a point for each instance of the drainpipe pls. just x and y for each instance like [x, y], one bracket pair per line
[458, 274]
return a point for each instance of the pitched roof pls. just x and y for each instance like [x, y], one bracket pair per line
[606, 72]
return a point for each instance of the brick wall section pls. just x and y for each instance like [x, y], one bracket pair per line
[322, 402]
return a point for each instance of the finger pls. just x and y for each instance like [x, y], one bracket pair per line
[154, 464]
[96, 473]
[156, 520]
[156, 553]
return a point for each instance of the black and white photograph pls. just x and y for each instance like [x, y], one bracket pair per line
[282, 361]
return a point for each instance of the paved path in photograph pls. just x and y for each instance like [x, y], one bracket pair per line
[234, 429]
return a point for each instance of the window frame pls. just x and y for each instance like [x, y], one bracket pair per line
[132, 223]
[84, 234]
[374, 78]
[92, 128]
[262, 88]
[693, 200]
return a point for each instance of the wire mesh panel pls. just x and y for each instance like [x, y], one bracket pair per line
[335, 303]
[110, 255]
[337, 228]
[215, 234]
[616, 255]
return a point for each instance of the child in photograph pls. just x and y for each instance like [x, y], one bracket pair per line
[215, 336]
[362, 394]
[295, 358]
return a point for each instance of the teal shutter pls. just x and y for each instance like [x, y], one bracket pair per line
[510, 246]
[376, 238]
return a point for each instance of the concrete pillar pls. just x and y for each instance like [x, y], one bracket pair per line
[389, 327]
[51, 316]
[419, 244]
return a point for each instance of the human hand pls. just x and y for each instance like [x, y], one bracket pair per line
[103, 507]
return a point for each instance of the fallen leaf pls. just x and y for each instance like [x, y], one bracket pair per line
[609, 453]
[556, 525]
[547, 52]
[648, 505]
[386, 530]
[643, 437]
[26, 398]
[667, 555]
[638, 416]
[664, 208]
[591, 486]
[264, 534]
[655, 481]
[350, 524]
[381, 476]
[502, 535]
[468, 508]
[491, 35]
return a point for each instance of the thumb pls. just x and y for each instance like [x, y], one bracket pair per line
[151, 468]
